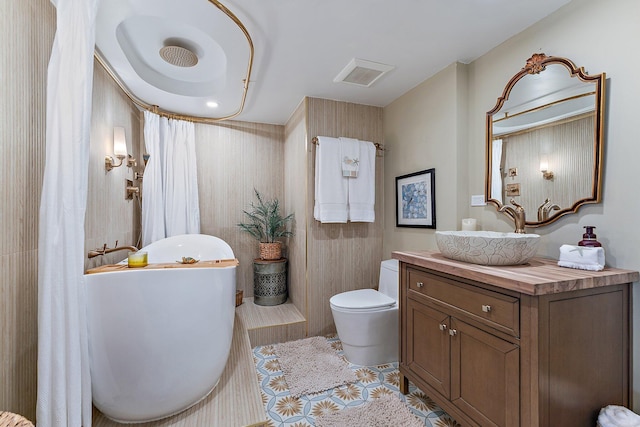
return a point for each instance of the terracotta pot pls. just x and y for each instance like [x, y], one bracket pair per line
[270, 251]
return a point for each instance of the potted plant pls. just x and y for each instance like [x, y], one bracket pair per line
[266, 224]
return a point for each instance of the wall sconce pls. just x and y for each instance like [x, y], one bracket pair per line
[119, 151]
[544, 168]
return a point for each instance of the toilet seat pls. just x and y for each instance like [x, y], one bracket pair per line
[362, 300]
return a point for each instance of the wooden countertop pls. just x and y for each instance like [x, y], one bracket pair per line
[218, 263]
[539, 276]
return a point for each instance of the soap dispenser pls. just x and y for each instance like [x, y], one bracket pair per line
[589, 238]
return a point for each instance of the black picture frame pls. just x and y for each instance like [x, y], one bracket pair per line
[416, 199]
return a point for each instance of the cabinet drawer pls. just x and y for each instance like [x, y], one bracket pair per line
[502, 310]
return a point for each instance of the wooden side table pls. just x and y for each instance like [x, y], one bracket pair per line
[269, 281]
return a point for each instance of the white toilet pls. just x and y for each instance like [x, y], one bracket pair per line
[367, 320]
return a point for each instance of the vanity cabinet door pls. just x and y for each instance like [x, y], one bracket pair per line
[428, 345]
[485, 376]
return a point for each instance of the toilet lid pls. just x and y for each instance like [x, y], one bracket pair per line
[362, 299]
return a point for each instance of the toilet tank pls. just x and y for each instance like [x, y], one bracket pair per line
[389, 278]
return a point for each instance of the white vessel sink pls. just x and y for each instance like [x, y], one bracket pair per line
[487, 247]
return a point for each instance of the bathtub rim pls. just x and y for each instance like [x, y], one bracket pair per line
[110, 268]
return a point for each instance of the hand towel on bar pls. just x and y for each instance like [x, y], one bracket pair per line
[617, 416]
[331, 187]
[350, 156]
[362, 190]
[581, 257]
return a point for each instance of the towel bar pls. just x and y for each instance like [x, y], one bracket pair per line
[379, 147]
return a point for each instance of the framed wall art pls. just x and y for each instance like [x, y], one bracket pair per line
[416, 199]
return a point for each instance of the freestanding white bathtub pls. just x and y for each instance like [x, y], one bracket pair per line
[159, 339]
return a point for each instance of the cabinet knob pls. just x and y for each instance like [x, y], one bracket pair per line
[486, 308]
[452, 332]
[443, 327]
[419, 284]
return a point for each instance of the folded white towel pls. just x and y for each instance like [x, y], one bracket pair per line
[581, 257]
[362, 190]
[350, 156]
[331, 187]
[617, 416]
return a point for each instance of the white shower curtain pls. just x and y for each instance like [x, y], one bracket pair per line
[496, 174]
[181, 207]
[171, 181]
[152, 200]
[64, 382]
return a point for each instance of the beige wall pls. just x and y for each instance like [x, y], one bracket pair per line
[593, 34]
[422, 130]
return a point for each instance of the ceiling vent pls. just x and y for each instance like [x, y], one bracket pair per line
[362, 73]
[179, 56]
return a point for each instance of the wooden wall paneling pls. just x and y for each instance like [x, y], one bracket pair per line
[341, 257]
[233, 158]
[18, 331]
[572, 157]
[27, 29]
[296, 176]
[109, 217]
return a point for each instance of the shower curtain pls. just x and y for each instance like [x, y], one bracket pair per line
[170, 185]
[64, 383]
[152, 204]
[496, 173]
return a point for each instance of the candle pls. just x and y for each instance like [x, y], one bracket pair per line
[137, 259]
[469, 224]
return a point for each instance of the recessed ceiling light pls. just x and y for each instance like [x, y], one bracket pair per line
[362, 73]
[212, 104]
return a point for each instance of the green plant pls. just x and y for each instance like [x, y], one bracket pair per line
[265, 223]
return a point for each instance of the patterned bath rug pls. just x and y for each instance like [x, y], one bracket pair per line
[386, 411]
[311, 366]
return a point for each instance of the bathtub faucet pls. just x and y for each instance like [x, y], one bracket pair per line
[105, 250]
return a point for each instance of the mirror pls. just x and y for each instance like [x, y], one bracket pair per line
[545, 140]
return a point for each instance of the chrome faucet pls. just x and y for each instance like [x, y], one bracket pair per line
[517, 214]
[105, 250]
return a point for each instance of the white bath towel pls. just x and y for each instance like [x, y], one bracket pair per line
[362, 190]
[350, 156]
[617, 416]
[331, 187]
[581, 257]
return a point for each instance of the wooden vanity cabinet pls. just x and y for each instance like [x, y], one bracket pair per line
[518, 355]
[475, 370]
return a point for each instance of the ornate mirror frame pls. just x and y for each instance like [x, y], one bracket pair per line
[534, 66]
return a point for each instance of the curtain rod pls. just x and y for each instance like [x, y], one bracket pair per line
[177, 116]
[316, 141]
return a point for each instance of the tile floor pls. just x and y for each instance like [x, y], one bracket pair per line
[373, 381]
